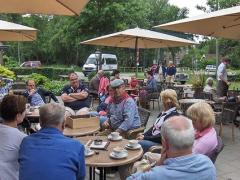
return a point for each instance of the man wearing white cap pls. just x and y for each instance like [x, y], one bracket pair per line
[123, 111]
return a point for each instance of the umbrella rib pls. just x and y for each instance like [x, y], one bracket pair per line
[64, 5]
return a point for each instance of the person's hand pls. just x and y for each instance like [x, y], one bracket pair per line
[140, 136]
[31, 92]
[228, 83]
[106, 124]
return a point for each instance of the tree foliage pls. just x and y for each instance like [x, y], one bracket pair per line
[59, 37]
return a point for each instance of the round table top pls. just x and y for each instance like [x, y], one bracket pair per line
[103, 159]
[80, 131]
[192, 101]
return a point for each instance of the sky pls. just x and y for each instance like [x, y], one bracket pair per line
[190, 4]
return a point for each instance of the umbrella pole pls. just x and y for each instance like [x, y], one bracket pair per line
[136, 56]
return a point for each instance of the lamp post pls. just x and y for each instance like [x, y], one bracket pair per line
[98, 58]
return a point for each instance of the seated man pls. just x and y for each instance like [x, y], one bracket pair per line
[122, 110]
[74, 95]
[36, 96]
[177, 160]
[48, 154]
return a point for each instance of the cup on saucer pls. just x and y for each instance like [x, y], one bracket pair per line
[119, 151]
[87, 150]
[133, 143]
[115, 135]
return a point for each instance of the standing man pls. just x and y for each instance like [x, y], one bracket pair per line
[223, 84]
[94, 82]
[36, 96]
[170, 72]
[74, 95]
[48, 154]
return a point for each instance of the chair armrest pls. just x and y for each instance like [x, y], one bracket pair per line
[132, 134]
[155, 149]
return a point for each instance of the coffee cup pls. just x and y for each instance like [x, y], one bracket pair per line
[118, 151]
[115, 135]
[97, 141]
[133, 143]
[87, 150]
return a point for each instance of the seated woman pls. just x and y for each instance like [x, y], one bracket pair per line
[12, 111]
[170, 108]
[145, 93]
[203, 119]
[209, 86]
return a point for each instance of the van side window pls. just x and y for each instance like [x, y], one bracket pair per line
[111, 61]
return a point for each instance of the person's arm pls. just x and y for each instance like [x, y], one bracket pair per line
[79, 96]
[128, 116]
[49, 93]
[65, 96]
[26, 95]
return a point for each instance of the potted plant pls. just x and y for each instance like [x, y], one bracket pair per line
[198, 82]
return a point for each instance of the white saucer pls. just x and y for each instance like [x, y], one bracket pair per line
[90, 153]
[118, 139]
[138, 146]
[28, 113]
[123, 155]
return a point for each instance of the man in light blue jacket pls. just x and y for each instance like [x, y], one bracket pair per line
[177, 160]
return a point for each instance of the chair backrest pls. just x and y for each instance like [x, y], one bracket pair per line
[144, 116]
[213, 156]
[154, 95]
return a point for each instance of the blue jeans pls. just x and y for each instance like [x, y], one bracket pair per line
[147, 144]
[102, 119]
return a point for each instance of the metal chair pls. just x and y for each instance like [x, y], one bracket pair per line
[213, 156]
[144, 117]
[154, 97]
[227, 116]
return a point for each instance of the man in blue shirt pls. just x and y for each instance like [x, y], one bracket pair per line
[74, 95]
[36, 96]
[177, 160]
[48, 154]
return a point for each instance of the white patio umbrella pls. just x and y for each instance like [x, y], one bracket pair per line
[138, 38]
[51, 7]
[16, 32]
[224, 23]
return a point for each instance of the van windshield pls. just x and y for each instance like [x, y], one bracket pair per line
[91, 61]
[111, 61]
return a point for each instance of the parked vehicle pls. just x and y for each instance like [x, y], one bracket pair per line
[108, 63]
[210, 68]
[31, 64]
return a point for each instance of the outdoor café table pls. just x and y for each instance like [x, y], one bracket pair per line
[33, 116]
[84, 131]
[185, 103]
[103, 159]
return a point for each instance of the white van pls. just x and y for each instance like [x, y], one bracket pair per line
[108, 63]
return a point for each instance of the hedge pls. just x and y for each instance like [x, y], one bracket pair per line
[49, 72]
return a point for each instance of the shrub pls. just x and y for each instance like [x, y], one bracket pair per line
[49, 72]
[38, 78]
[91, 75]
[55, 86]
[4, 72]
[10, 62]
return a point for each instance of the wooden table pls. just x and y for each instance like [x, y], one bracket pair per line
[186, 103]
[84, 131]
[103, 160]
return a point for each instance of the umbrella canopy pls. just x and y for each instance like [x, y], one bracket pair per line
[139, 38]
[224, 23]
[51, 7]
[16, 32]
